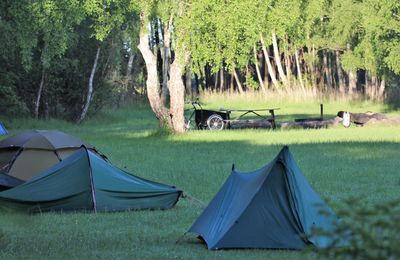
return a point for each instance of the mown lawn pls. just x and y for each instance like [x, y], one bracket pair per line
[339, 163]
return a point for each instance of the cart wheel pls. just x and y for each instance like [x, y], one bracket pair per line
[190, 125]
[215, 122]
[187, 124]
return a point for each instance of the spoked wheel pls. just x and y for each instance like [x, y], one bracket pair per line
[215, 122]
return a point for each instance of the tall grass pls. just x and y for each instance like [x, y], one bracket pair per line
[289, 99]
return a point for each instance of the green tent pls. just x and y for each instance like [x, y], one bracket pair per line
[84, 181]
[273, 207]
[24, 155]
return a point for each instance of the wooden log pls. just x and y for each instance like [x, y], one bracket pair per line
[311, 123]
[387, 121]
[363, 118]
[250, 123]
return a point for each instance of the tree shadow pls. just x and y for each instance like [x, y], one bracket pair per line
[336, 170]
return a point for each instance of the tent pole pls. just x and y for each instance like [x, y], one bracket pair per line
[91, 182]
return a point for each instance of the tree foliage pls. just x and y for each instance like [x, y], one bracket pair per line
[336, 45]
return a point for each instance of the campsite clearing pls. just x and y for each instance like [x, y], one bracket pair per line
[338, 162]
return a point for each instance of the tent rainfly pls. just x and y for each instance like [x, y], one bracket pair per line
[24, 155]
[84, 181]
[273, 207]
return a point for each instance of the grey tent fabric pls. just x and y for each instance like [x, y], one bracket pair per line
[43, 139]
[273, 207]
[26, 154]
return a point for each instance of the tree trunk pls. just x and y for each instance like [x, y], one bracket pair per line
[222, 81]
[166, 60]
[374, 87]
[90, 88]
[152, 81]
[278, 62]
[188, 83]
[288, 64]
[313, 67]
[327, 75]
[268, 62]
[299, 76]
[258, 70]
[339, 73]
[352, 78]
[129, 66]
[239, 85]
[381, 90]
[215, 81]
[39, 94]
[46, 110]
[352, 82]
[231, 84]
[330, 73]
[177, 97]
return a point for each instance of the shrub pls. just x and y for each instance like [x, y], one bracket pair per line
[10, 104]
[371, 231]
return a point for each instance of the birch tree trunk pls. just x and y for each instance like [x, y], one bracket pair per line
[352, 82]
[239, 85]
[260, 80]
[299, 74]
[287, 57]
[381, 90]
[215, 81]
[90, 88]
[188, 83]
[166, 60]
[152, 81]
[39, 94]
[326, 70]
[352, 78]
[278, 62]
[177, 97]
[129, 66]
[222, 81]
[268, 62]
[231, 84]
[339, 73]
[313, 67]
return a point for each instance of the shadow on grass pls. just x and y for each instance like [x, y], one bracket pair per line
[336, 169]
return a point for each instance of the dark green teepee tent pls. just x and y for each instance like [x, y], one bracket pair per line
[84, 181]
[273, 207]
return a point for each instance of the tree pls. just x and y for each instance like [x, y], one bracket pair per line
[44, 26]
[168, 11]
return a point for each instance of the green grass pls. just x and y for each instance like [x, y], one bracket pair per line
[338, 162]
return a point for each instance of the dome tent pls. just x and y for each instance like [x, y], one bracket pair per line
[273, 207]
[84, 181]
[26, 154]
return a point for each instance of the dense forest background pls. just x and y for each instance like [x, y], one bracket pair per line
[70, 58]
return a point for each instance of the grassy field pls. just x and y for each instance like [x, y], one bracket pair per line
[338, 162]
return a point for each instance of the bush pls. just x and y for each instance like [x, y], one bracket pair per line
[371, 231]
[10, 105]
